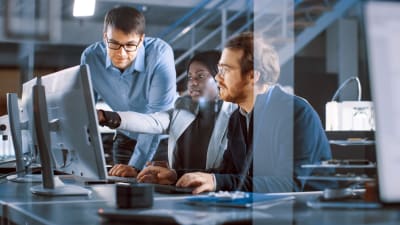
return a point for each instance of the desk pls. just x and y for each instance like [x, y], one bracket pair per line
[19, 193]
[22, 207]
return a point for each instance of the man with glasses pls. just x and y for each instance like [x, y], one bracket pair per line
[131, 72]
[270, 135]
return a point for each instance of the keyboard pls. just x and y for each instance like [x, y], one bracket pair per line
[115, 179]
[172, 189]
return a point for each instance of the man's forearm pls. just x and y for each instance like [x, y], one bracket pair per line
[232, 182]
[145, 149]
[181, 172]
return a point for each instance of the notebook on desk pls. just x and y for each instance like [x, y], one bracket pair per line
[382, 26]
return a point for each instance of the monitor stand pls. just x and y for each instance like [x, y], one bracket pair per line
[16, 126]
[52, 186]
[59, 188]
[25, 178]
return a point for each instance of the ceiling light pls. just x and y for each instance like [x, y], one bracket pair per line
[84, 8]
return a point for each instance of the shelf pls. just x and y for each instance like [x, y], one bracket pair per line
[369, 166]
[7, 161]
[337, 178]
[352, 142]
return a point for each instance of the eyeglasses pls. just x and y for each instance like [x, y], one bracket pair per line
[128, 47]
[222, 71]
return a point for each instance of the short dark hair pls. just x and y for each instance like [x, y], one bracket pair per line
[126, 19]
[263, 58]
[209, 59]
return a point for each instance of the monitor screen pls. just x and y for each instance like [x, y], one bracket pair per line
[382, 25]
[75, 142]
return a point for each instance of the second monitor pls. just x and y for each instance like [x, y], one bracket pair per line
[75, 145]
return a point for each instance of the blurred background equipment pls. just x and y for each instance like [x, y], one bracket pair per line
[349, 115]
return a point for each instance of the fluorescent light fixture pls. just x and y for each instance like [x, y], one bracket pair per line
[84, 8]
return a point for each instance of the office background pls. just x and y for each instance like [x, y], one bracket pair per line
[43, 36]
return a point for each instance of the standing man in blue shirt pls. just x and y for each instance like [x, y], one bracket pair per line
[131, 72]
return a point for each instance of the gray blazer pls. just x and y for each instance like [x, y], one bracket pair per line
[174, 122]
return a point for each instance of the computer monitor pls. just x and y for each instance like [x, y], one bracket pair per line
[66, 127]
[382, 26]
[15, 129]
[23, 156]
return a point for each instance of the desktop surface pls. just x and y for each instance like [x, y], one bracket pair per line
[12, 192]
[22, 207]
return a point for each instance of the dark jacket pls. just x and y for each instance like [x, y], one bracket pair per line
[287, 133]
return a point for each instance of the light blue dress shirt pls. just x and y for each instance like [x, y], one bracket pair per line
[147, 85]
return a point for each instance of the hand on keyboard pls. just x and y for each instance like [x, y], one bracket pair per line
[122, 170]
[157, 175]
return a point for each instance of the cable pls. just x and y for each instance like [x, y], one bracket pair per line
[347, 81]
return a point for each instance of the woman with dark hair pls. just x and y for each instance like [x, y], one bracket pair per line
[197, 125]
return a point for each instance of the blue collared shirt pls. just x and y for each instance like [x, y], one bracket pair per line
[147, 85]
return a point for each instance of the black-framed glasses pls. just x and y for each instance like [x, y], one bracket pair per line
[129, 47]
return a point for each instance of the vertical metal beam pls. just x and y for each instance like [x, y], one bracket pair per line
[26, 55]
[342, 53]
[193, 37]
[55, 23]
[223, 25]
[284, 19]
